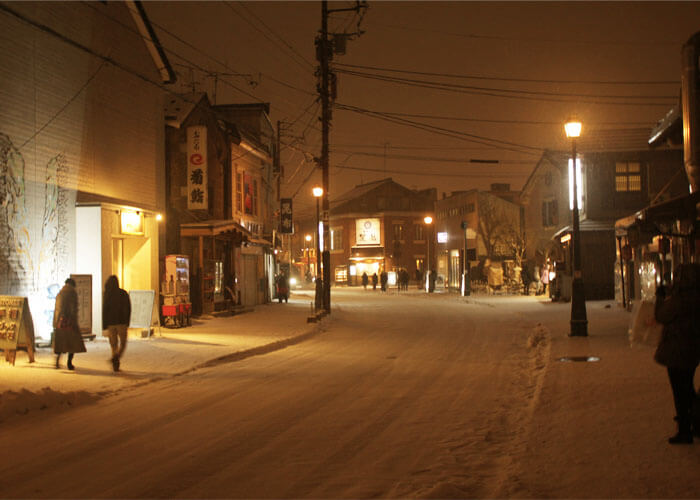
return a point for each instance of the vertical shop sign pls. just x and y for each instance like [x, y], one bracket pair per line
[197, 198]
[286, 226]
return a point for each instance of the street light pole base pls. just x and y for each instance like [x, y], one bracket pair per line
[579, 328]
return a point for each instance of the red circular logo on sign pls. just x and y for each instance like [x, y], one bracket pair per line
[196, 159]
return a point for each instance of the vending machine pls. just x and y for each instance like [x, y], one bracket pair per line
[175, 291]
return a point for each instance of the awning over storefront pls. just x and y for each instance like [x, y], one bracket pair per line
[364, 253]
[586, 226]
[677, 209]
[214, 228]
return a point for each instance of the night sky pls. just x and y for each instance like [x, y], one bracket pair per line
[469, 82]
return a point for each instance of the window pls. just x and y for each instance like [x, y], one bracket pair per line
[398, 232]
[336, 238]
[419, 232]
[255, 197]
[239, 192]
[550, 216]
[628, 177]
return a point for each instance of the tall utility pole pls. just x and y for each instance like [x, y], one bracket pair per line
[324, 53]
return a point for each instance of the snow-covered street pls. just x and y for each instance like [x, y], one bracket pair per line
[391, 396]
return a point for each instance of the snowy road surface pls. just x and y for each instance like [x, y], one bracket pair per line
[397, 396]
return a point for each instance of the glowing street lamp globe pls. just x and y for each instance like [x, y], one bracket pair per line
[317, 191]
[573, 129]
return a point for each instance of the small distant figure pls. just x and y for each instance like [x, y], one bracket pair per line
[116, 314]
[66, 335]
[545, 277]
[526, 278]
[419, 279]
[679, 347]
[375, 281]
[384, 279]
[432, 279]
[365, 280]
[282, 288]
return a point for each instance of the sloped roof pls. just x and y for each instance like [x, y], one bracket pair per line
[358, 191]
[556, 159]
[178, 108]
[614, 140]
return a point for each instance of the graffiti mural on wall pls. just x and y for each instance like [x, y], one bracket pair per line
[34, 249]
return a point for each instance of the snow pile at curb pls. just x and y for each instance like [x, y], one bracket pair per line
[20, 403]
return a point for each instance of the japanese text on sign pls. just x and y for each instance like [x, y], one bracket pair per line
[286, 222]
[197, 168]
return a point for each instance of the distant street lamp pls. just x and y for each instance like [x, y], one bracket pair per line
[579, 320]
[318, 192]
[308, 256]
[428, 220]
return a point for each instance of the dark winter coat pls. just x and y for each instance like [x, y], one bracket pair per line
[66, 335]
[679, 346]
[116, 306]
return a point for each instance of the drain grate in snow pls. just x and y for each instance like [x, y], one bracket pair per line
[586, 359]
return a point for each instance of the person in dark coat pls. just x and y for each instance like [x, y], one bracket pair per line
[375, 280]
[384, 279]
[116, 314]
[365, 280]
[527, 279]
[67, 337]
[679, 347]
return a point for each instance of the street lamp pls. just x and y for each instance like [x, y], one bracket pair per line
[318, 192]
[579, 321]
[308, 257]
[428, 220]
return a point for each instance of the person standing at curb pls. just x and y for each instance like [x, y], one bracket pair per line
[66, 334]
[679, 347]
[116, 313]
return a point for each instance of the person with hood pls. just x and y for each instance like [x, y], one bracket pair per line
[679, 346]
[67, 337]
[365, 280]
[116, 314]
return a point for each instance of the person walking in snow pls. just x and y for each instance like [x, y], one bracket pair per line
[375, 280]
[365, 280]
[116, 314]
[66, 334]
[384, 279]
[679, 347]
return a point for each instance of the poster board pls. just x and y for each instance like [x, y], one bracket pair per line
[143, 309]
[83, 285]
[16, 327]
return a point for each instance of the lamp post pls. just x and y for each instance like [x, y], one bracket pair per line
[579, 321]
[428, 220]
[308, 256]
[318, 192]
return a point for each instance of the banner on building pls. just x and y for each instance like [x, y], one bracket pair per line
[197, 192]
[286, 224]
[367, 232]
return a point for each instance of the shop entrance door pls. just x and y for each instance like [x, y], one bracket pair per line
[250, 280]
[118, 260]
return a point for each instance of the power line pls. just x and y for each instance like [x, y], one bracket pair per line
[486, 120]
[443, 131]
[531, 40]
[502, 175]
[274, 42]
[504, 79]
[511, 94]
[63, 108]
[434, 158]
[311, 65]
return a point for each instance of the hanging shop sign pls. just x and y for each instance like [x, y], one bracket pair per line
[197, 182]
[83, 286]
[367, 232]
[131, 222]
[16, 327]
[286, 225]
